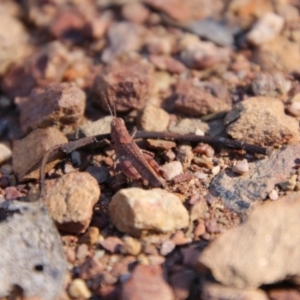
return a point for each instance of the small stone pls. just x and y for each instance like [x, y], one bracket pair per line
[71, 199]
[294, 107]
[167, 63]
[271, 84]
[124, 37]
[188, 125]
[135, 12]
[99, 173]
[156, 260]
[261, 121]
[179, 238]
[131, 246]
[22, 78]
[245, 256]
[204, 55]
[112, 244]
[172, 169]
[241, 167]
[128, 86]
[273, 195]
[271, 56]
[6, 169]
[35, 145]
[13, 41]
[91, 267]
[160, 144]
[5, 153]
[185, 155]
[167, 247]
[203, 161]
[290, 184]
[78, 289]
[153, 118]
[12, 193]
[146, 282]
[82, 252]
[90, 237]
[212, 226]
[135, 210]
[101, 126]
[198, 209]
[265, 29]
[215, 170]
[192, 99]
[56, 105]
[204, 149]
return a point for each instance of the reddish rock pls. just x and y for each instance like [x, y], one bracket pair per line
[56, 105]
[135, 12]
[12, 193]
[112, 244]
[194, 100]
[29, 151]
[146, 283]
[41, 68]
[184, 11]
[70, 25]
[127, 86]
[167, 63]
[90, 268]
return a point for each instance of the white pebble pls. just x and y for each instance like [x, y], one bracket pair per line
[294, 109]
[265, 29]
[241, 167]
[172, 169]
[215, 170]
[273, 195]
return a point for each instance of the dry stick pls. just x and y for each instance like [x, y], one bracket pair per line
[217, 142]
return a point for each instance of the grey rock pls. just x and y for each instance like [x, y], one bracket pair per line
[213, 31]
[31, 253]
[101, 126]
[240, 192]
[263, 250]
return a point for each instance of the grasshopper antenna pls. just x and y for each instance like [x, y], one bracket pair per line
[108, 105]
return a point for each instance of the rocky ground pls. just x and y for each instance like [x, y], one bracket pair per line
[226, 226]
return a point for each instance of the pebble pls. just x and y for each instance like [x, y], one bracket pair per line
[247, 251]
[153, 118]
[5, 153]
[204, 149]
[198, 209]
[35, 145]
[135, 12]
[203, 161]
[131, 246]
[112, 244]
[167, 247]
[123, 37]
[82, 252]
[290, 184]
[118, 84]
[71, 199]
[271, 84]
[99, 173]
[241, 167]
[188, 125]
[204, 55]
[13, 41]
[261, 121]
[265, 29]
[271, 56]
[194, 100]
[78, 289]
[21, 79]
[167, 63]
[273, 195]
[160, 145]
[294, 107]
[101, 126]
[147, 283]
[172, 169]
[91, 236]
[134, 210]
[46, 107]
[213, 31]
[215, 170]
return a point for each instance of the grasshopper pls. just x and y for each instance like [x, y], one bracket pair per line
[135, 163]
